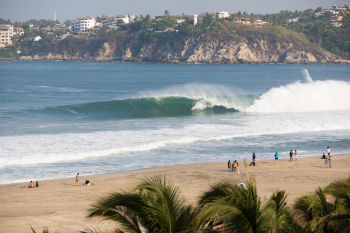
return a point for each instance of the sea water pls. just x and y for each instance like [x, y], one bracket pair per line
[60, 118]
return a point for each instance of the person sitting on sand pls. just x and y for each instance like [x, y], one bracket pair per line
[87, 182]
[252, 163]
[37, 184]
[276, 156]
[326, 162]
[31, 185]
[229, 165]
[323, 156]
[77, 179]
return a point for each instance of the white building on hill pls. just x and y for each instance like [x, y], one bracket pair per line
[222, 14]
[123, 17]
[6, 34]
[82, 24]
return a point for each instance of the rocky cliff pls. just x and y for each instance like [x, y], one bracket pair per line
[202, 50]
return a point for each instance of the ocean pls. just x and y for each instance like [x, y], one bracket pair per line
[60, 118]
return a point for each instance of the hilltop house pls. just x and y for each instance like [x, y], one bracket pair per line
[222, 14]
[82, 24]
[259, 22]
[111, 22]
[335, 20]
[293, 20]
[131, 17]
[245, 21]
[6, 33]
[123, 17]
[345, 7]
[31, 25]
[18, 31]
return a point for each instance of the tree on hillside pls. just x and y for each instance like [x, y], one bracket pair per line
[166, 13]
[159, 27]
[207, 20]
[67, 22]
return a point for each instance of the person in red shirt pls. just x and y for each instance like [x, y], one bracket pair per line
[31, 185]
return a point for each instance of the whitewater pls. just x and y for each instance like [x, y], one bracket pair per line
[138, 116]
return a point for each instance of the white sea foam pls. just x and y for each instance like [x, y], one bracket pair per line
[40, 149]
[327, 95]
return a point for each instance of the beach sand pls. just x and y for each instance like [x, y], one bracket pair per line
[61, 206]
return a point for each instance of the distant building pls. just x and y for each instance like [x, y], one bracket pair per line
[345, 7]
[335, 20]
[31, 25]
[180, 21]
[132, 17]
[222, 14]
[37, 38]
[82, 24]
[18, 31]
[6, 33]
[195, 19]
[123, 17]
[111, 22]
[190, 17]
[259, 22]
[244, 21]
[293, 20]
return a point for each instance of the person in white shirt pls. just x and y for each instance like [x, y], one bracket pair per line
[329, 150]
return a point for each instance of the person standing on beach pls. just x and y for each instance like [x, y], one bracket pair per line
[329, 161]
[229, 165]
[77, 179]
[328, 150]
[291, 156]
[276, 156]
[326, 162]
[296, 155]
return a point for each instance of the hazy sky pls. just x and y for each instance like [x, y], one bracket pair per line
[22, 10]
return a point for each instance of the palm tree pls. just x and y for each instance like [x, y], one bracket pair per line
[166, 13]
[323, 216]
[230, 207]
[154, 205]
[341, 191]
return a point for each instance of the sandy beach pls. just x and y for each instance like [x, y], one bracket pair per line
[61, 206]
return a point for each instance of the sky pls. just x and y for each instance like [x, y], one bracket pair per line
[23, 10]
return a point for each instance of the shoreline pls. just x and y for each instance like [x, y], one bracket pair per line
[61, 206]
[155, 167]
[139, 60]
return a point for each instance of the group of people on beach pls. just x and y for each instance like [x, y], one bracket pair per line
[87, 182]
[31, 185]
[327, 158]
[233, 167]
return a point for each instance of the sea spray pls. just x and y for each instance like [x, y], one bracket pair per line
[307, 76]
[305, 97]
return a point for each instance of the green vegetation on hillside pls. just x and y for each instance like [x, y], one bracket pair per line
[306, 34]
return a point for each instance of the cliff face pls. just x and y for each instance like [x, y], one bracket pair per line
[202, 50]
[219, 51]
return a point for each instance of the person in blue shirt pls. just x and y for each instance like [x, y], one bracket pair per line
[276, 156]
